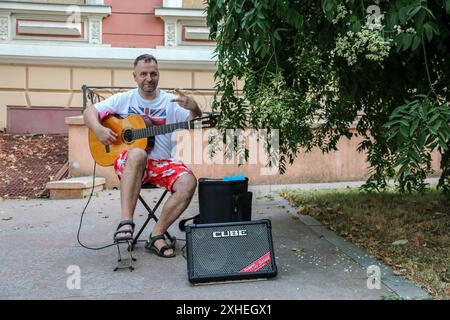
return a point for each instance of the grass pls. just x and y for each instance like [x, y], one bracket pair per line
[409, 232]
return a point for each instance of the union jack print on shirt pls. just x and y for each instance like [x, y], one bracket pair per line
[157, 115]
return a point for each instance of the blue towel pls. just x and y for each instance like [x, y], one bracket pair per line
[237, 177]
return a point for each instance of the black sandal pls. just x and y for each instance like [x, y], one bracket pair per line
[150, 245]
[121, 224]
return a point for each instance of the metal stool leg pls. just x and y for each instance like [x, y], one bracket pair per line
[130, 259]
[151, 215]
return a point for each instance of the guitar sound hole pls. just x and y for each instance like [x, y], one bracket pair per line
[128, 135]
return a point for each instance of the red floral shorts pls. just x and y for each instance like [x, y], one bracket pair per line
[161, 173]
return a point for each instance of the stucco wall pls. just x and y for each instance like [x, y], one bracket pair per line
[193, 4]
[135, 25]
[346, 164]
[29, 86]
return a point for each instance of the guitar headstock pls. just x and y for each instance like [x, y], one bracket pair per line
[208, 121]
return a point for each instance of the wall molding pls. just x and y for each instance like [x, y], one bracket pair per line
[186, 58]
[180, 13]
[55, 22]
[176, 19]
[56, 8]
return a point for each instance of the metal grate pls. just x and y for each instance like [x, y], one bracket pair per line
[29, 162]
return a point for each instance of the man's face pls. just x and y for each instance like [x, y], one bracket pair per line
[146, 75]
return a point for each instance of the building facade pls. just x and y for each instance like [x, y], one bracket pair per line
[50, 49]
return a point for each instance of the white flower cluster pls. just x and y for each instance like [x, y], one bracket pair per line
[399, 30]
[341, 13]
[368, 43]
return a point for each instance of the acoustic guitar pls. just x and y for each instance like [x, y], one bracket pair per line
[135, 132]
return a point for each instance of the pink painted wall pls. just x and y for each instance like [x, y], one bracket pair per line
[133, 24]
[39, 120]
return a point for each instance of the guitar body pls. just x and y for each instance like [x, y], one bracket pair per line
[106, 155]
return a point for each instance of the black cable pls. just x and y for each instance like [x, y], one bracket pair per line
[182, 249]
[81, 221]
[82, 214]
[183, 252]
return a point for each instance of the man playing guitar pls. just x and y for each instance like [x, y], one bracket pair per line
[136, 166]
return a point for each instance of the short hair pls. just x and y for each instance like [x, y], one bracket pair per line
[146, 57]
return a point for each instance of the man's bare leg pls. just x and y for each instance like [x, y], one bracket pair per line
[183, 190]
[130, 185]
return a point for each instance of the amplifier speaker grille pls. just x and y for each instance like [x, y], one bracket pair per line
[229, 251]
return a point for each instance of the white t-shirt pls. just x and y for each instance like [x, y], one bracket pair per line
[160, 110]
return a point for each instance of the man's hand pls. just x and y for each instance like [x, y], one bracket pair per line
[187, 103]
[105, 135]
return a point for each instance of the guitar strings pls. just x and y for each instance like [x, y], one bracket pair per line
[157, 130]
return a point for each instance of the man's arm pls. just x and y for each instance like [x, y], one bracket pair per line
[104, 134]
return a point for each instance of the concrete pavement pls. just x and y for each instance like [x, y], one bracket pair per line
[40, 256]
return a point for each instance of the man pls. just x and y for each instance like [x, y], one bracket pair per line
[137, 166]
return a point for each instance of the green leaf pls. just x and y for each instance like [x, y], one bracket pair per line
[442, 136]
[447, 6]
[421, 139]
[433, 118]
[404, 123]
[256, 45]
[413, 12]
[392, 135]
[392, 18]
[431, 129]
[329, 7]
[424, 110]
[356, 26]
[429, 12]
[419, 20]
[413, 128]
[435, 28]
[403, 14]
[398, 40]
[437, 125]
[260, 24]
[276, 35]
[401, 109]
[407, 40]
[443, 145]
[415, 155]
[428, 31]
[416, 43]
[404, 132]
[391, 123]
[445, 112]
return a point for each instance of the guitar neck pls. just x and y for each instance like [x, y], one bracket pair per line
[158, 130]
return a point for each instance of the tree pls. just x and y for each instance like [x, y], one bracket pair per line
[311, 68]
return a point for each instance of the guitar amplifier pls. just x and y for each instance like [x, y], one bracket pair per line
[230, 251]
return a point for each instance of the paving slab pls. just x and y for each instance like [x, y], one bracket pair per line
[41, 255]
